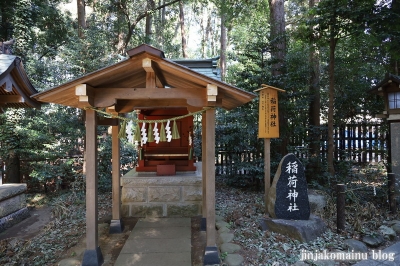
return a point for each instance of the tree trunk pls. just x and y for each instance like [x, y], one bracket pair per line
[81, 17]
[314, 167]
[4, 24]
[331, 103]
[132, 25]
[148, 29]
[224, 40]
[149, 22]
[205, 33]
[278, 54]
[12, 167]
[159, 27]
[394, 62]
[183, 33]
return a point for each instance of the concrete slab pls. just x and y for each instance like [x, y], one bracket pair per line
[160, 232]
[151, 245]
[158, 241]
[152, 259]
[162, 222]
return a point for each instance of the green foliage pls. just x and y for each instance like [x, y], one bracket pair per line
[37, 26]
[47, 40]
[128, 161]
[54, 173]
[43, 139]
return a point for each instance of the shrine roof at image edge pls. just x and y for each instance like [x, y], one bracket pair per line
[130, 73]
[388, 81]
[15, 87]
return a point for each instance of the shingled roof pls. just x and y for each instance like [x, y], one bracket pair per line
[125, 85]
[15, 87]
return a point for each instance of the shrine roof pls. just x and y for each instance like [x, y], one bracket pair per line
[206, 67]
[15, 87]
[390, 80]
[173, 83]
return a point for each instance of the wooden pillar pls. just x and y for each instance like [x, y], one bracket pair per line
[211, 252]
[267, 172]
[92, 255]
[341, 208]
[203, 225]
[116, 225]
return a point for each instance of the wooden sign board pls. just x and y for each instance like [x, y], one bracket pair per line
[268, 120]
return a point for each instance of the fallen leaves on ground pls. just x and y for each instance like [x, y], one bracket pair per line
[66, 227]
[242, 209]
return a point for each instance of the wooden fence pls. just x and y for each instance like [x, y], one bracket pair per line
[360, 143]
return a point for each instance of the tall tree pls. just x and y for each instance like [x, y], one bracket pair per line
[149, 21]
[183, 30]
[336, 20]
[224, 40]
[81, 17]
[133, 13]
[394, 45]
[314, 104]
[278, 55]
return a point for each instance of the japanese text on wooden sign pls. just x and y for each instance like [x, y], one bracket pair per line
[268, 121]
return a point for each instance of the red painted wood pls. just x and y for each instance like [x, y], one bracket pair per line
[175, 152]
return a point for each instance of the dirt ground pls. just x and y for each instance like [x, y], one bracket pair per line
[110, 244]
[29, 227]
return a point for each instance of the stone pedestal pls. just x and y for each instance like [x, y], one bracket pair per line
[12, 205]
[302, 230]
[145, 194]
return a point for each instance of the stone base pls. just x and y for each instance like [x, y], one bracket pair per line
[302, 230]
[13, 218]
[211, 256]
[12, 205]
[93, 257]
[144, 194]
[12, 198]
[116, 227]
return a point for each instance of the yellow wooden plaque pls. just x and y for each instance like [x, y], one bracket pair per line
[268, 120]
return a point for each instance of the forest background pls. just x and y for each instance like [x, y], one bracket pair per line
[325, 54]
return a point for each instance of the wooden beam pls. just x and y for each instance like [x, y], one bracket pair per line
[146, 64]
[108, 121]
[150, 75]
[11, 99]
[8, 83]
[108, 96]
[126, 106]
[11, 84]
[212, 92]
[85, 94]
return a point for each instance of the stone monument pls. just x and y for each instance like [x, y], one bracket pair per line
[288, 203]
[288, 195]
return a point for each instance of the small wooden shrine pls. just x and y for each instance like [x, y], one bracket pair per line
[161, 90]
[166, 154]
